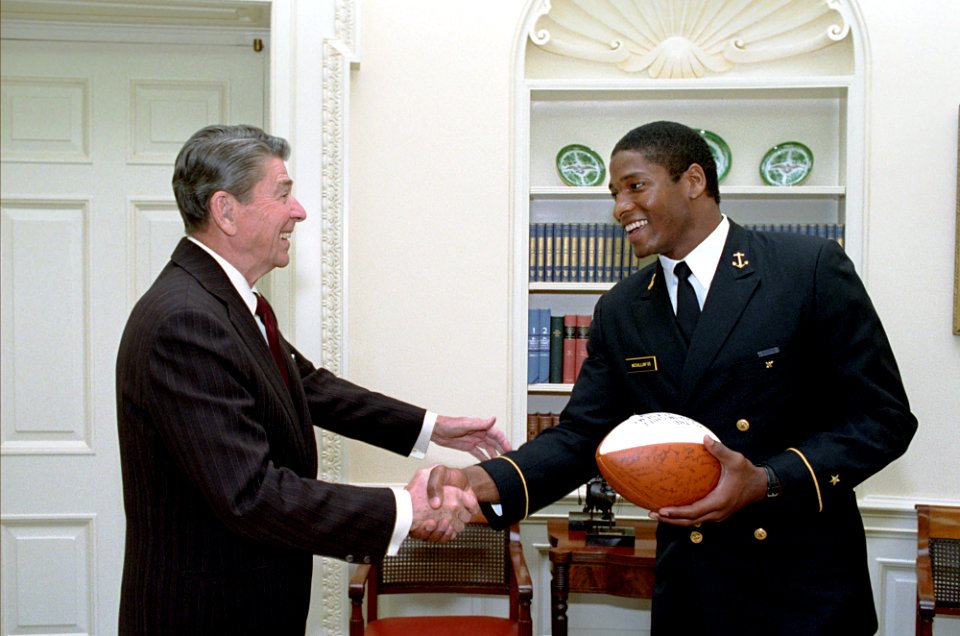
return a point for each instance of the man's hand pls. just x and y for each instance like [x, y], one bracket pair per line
[741, 483]
[455, 506]
[476, 436]
[474, 478]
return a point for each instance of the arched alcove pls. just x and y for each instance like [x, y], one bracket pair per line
[754, 74]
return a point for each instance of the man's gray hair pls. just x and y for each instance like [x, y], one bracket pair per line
[220, 157]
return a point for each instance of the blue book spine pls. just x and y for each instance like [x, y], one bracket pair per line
[548, 252]
[619, 238]
[584, 252]
[601, 254]
[590, 272]
[564, 252]
[533, 345]
[543, 349]
[608, 240]
[574, 253]
[536, 233]
[625, 264]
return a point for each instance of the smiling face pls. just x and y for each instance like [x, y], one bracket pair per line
[659, 215]
[265, 222]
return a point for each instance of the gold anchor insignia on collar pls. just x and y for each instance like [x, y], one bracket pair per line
[740, 263]
[652, 280]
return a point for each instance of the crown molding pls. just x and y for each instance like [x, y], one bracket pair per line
[232, 14]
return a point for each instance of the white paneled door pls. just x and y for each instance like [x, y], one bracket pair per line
[89, 134]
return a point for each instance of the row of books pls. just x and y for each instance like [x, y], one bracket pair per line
[832, 231]
[556, 346]
[580, 253]
[601, 253]
[537, 422]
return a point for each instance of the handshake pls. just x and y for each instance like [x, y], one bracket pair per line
[445, 499]
[443, 503]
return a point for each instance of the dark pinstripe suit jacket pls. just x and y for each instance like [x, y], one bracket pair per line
[219, 459]
[788, 353]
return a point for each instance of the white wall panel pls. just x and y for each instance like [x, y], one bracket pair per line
[165, 113]
[45, 119]
[898, 589]
[44, 335]
[48, 581]
[157, 228]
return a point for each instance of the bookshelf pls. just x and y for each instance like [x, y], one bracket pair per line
[816, 98]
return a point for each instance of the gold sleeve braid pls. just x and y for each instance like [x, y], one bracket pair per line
[816, 484]
[526, 493]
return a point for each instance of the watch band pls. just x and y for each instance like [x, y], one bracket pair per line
[773, 482]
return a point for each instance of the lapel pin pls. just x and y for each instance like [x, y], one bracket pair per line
[740, 263]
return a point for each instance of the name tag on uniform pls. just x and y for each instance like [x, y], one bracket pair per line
[767, 355]
[643, 364]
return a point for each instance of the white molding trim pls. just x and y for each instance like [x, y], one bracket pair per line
[219, 14]
[227, 23]
[133, 34]
[314, 46]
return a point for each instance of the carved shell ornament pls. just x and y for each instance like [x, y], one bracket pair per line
[686, 38]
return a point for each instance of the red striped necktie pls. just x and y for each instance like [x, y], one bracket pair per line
[273, 335]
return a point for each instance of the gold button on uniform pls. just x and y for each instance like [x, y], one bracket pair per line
[696, 537]
[743, 426]
[759, 534]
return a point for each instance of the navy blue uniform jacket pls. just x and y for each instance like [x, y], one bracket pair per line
[219, 460]
[789, 365]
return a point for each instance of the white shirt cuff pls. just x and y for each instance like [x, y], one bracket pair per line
[404, 519]
[420, 447]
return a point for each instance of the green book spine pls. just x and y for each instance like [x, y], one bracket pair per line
[556, 349]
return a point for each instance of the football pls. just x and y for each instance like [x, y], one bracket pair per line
[658, 459]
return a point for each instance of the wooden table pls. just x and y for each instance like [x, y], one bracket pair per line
[578, 567]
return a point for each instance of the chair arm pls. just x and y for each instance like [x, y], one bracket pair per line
[520, 571]
[355, 590]
[358, 582]
[521, 588]
[926, 600]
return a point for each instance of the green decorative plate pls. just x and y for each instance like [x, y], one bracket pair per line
[720, 151]
[580, 166]
[786, 164]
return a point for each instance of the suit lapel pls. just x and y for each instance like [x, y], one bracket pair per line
[656, 325]
[209, 273]
[733, 285]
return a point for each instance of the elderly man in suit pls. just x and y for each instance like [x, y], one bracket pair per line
[216, 415]
[771, 341]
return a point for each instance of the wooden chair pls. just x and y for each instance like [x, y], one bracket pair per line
[479, 561]
[938, 564]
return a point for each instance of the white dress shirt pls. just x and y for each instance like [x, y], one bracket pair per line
[702, 262]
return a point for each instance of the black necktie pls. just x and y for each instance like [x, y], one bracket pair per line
[688, 309]
[270, 324]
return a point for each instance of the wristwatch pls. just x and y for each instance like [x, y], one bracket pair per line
[773, 482]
